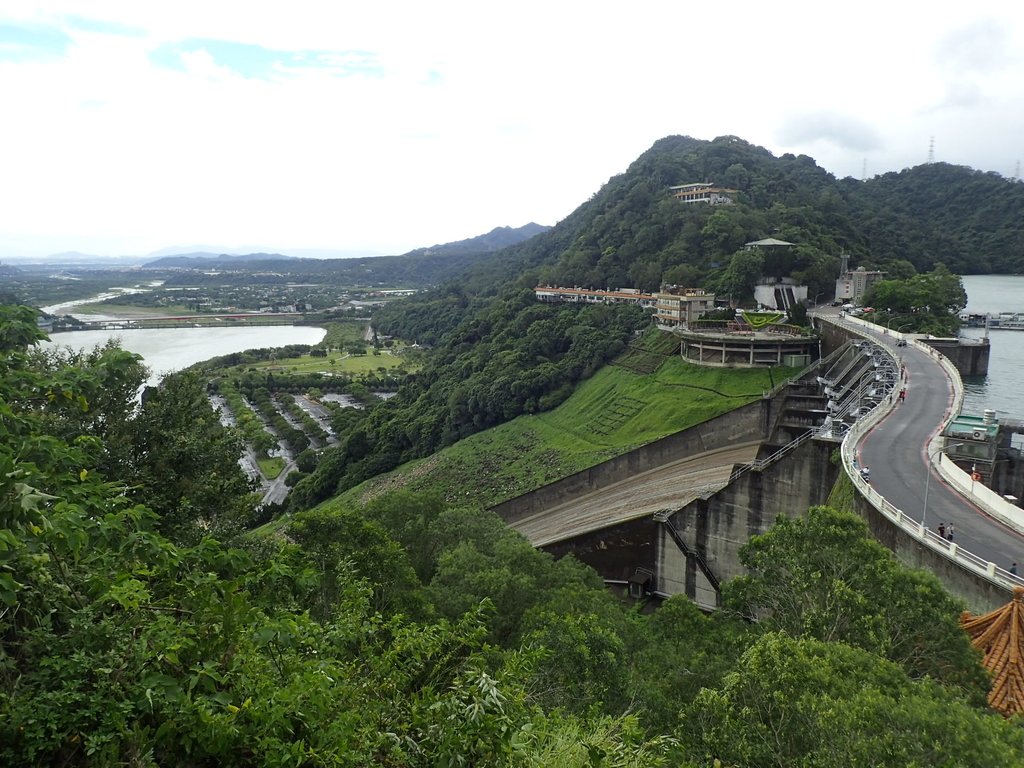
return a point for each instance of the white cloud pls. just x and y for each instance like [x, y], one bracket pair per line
[846, 132]
[430, 122]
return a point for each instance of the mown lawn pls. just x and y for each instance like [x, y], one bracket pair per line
[611, 413]
[335, 362]
[271, 467]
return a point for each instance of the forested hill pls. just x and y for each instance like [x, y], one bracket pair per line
[495, 240]
[968, 219]
[499, 354]
[633, 233]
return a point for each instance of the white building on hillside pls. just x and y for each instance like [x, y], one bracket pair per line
[703, 193]
[677, 306]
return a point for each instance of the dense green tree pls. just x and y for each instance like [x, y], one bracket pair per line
[744, 270]
[344, 544]
[818, 272]
[186, 462]
[821, 576]
[797, 314]
[929, 303]
[582, 663]
[108, 384]
[899, 269]
[682, 650]
[118, 646]
[811, 703]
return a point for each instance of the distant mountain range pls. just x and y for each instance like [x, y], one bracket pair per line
[210, 256]
[495, 240]
[219, 250]
[204, 260]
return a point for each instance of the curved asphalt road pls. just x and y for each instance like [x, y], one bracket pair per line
[895, 452]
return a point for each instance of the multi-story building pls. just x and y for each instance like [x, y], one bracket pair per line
[676, 306]
[853, 284]
[702, 193]
[590, 296]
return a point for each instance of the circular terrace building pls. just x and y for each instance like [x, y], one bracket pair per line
[753, 339]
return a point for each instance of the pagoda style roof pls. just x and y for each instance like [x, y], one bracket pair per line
[999, 635]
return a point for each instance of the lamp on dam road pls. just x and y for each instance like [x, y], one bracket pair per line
[928, 477]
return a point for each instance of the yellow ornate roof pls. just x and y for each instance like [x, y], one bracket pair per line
[999, 635]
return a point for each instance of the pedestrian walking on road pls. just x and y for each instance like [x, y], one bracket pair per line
[949, 532]
[942, 530]
[1013, 568]
[903, 394]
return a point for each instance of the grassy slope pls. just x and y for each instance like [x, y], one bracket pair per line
[609, 414]
[342, 332]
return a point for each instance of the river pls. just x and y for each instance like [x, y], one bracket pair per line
[166, 350]
[1001, 390]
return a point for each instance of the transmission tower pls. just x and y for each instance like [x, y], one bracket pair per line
[931, 151]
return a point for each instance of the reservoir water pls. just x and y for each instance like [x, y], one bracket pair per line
[1003, 389]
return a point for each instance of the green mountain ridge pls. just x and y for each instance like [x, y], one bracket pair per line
[633, 233]
[499, 354]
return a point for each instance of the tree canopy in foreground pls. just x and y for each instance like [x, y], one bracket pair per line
[414, 633]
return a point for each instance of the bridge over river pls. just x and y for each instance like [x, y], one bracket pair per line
[185, 321]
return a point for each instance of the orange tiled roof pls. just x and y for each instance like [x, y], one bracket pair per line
[999, 634]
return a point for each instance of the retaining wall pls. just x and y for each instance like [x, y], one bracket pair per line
[748, 423]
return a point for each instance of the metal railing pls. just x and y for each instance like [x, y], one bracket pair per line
[961, 557]
[665, 519]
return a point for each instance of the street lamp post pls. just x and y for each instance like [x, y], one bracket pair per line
[888, 323]
[928, 477]
[905, 322]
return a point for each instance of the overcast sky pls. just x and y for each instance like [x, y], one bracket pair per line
[380, 127]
